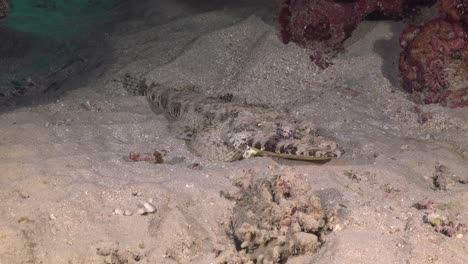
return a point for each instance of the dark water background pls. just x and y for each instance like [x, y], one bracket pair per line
[44, 42]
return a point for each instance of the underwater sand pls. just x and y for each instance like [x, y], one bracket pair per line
[63, 169]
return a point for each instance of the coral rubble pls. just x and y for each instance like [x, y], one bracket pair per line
[275, 220]
[4, 8]
[434, 60]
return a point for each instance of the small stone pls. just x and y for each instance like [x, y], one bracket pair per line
[141, 211]
[128, 213]
[24, 195]
[52, 217]
[195, 166]
[433, 219]
[149, 208]
[24, 219]
[118, 212]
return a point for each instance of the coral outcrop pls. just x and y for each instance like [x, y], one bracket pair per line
[322, 26]
[434, 60]
[4, 8]
[276, 220]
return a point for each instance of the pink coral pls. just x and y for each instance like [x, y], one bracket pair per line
[434, 62]
[155, 157]
[455, 10]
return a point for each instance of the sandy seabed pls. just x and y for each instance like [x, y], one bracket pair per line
[63, 167]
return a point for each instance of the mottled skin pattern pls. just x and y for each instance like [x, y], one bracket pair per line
[218, 129]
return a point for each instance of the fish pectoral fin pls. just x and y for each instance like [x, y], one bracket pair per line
[181, 132]
[187, 136]
[210, 143]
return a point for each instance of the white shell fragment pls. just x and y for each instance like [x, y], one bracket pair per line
[149, 208]
[118, 211]
[141, 211]
[128, 213]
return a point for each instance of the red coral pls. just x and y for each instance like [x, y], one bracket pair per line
[4, 8]
[408, 35]
[455, 10]
[283, 19]
[323, 25]
[434, 62]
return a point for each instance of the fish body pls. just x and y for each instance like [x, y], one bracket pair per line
[220, 129]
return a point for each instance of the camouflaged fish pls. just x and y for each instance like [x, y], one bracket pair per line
[219, 129]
